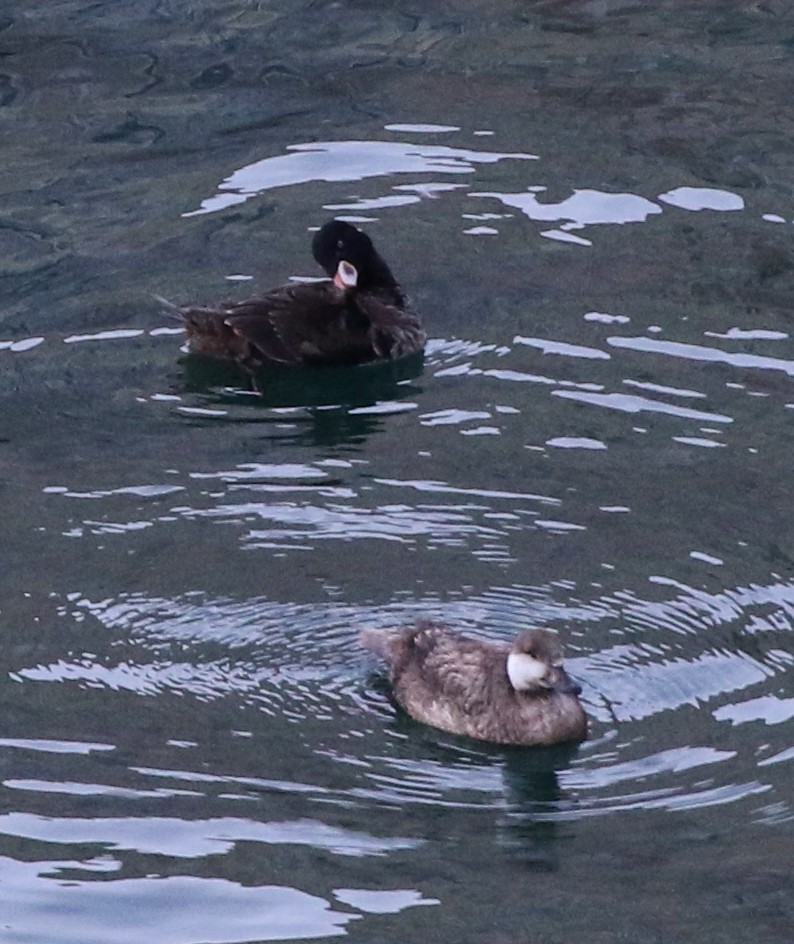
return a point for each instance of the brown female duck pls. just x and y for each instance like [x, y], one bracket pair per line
[486, 690]
[360, 315]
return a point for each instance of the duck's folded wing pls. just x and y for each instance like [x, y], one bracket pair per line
[246, 331]
[303, 324]
[454, 666]
[394, 331]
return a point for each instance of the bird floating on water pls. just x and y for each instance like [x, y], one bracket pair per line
[518, 694]
[359, 315]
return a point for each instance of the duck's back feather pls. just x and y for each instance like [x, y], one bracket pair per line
[460, 685]
[394, 332]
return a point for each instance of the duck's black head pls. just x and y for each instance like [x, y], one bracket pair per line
[337, 241]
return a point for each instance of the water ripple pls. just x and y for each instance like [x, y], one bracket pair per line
[697, 352]
[684, 664]
[170, 909]
[191, 839]
[627, 403]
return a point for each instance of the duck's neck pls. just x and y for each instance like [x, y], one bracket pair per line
[380, 280]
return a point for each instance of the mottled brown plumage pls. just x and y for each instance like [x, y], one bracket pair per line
[462, 685]
[361, 315]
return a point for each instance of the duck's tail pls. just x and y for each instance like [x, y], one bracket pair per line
[171, 309]
[381, 642]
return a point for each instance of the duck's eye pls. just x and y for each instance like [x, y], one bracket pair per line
[340, 244]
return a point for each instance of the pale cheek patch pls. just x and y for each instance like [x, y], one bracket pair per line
[524, 671]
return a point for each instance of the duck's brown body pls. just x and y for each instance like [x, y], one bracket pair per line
[461, 685]
[306, 325]
[317, 323]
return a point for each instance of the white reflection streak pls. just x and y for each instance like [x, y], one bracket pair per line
[768, 708]
[397, 523]
[748, 334]
[203, 681]
[514, 375]
[374, 203]
[576, 442]
[674, 760]
[141, 491]
[382, 901]
[785, 755]
[55, 747]
[667, 799]
[170, 910]
[336, 161]
[628, 403]
[583, 207]
[257, 470]
[559, 347]
[75, 788]
[193, 839]
[421, 128]
[117, 335]
[696, 352]
[702, 198]
[23, 344]
[662, 388]
[431, 486]
[452, 417]
[639, 691]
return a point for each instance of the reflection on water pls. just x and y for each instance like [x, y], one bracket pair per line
[178, 909]
[699, 352]
[702, 198]
[334, 161]
[174, 909]
[317, 387]
[337, 161]
[187, 838]
[585, 207]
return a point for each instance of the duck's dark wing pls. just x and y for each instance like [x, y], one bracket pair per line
[300, 323]
[395, 331]
[217, 332]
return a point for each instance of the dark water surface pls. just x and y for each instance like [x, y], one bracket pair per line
[592, 205]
